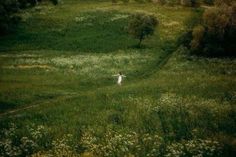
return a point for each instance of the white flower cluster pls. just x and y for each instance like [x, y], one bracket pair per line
[119, 16]
[37, 133]
[169, 98]
[194, 148]
[60, 148]
[168, 103]
[122, 144]
[11, 144]
[7, 148]
[28, 145]
[83, 18]
[112, 143]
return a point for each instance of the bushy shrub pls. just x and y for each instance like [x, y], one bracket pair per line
[209, 2]
[23, 3]
[55, 2]
[27, 3]
[187, 3]
[190, 3]
[215, 34]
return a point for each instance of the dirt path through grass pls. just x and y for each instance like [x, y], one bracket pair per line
[37, 104]
[159, 65]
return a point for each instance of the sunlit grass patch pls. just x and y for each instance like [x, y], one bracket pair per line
[87, 64]
[104, 64]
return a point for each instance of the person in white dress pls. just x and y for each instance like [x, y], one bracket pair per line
[119, 78]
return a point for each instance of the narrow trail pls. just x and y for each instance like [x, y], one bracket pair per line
[14, 111]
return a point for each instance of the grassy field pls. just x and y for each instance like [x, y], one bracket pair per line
[58, 96]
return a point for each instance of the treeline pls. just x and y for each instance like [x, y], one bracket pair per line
[213, 33]
[9, 9]
[30, 3]
[189, 3]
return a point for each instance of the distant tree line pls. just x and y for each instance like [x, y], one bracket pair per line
[189, 3]
[9, 9]
[213, 34]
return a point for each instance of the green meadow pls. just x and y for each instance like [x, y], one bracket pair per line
[58, 96]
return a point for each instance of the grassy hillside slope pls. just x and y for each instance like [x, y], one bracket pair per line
[57, 89]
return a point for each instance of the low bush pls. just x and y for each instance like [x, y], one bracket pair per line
[209, 2]
[190, 3]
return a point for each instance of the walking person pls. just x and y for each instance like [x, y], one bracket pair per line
[119, 78]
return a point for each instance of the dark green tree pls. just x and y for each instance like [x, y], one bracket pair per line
[141, 26]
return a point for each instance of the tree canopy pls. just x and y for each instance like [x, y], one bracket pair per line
[215, 33]
[141, 26]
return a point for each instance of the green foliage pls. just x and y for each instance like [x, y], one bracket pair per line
[55, 2]
[190, 3]
[73, 33]
[214, 34]
[8, 10]
[141, 26]
[8, 19]
[209, 2]
[31, 3]
[27, 3]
